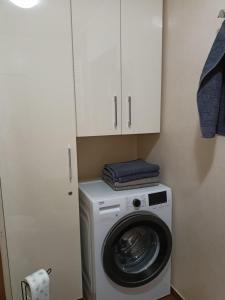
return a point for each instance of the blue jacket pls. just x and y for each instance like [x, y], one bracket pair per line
[211, 92]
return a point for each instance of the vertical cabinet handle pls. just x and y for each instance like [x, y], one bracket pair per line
[130, 112]
[70, 164]
[116, 112]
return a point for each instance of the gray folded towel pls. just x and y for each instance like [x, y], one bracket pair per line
[131, 170]
[130, 177]
[130, 187]
[133, 182]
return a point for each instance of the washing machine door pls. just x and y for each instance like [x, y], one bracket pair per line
[137, 249]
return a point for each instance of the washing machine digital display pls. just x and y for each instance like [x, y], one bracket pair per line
[157, 198]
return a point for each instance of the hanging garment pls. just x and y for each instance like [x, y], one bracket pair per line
[211, 92]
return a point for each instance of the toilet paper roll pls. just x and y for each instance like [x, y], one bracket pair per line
[38, 283]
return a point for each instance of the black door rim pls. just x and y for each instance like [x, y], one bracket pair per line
[132, 220]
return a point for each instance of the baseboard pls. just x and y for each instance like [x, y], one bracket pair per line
[176, 294]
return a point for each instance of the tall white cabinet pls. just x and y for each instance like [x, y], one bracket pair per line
[117, 62]
[38, 167]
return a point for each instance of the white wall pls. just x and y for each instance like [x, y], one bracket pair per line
[195, 168]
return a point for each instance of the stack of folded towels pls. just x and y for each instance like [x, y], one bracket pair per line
[131, 175]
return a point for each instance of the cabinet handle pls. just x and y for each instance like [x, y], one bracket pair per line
[70, 164]
[116, 112]
[130, 117]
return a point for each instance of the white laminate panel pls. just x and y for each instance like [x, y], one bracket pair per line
[37, 122]
[141, 65]
[96, 35]
[3, 253]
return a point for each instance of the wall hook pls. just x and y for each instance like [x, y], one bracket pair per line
[221, 13]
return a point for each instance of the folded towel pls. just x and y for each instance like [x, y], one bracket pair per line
[131, 177]
[134, 169]
[139, 182]
[129, 187]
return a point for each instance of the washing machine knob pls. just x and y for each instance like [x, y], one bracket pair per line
[136, 203]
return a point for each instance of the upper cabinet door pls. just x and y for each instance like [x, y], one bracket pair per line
[96, 38]
[141, 65]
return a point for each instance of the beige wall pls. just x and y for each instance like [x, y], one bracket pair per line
[195, 168]
[94, 152]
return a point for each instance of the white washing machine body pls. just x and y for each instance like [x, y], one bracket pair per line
[101, 210]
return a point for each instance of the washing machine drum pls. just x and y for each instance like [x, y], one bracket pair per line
[137, 249]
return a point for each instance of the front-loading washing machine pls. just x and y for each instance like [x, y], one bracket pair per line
[126, 242]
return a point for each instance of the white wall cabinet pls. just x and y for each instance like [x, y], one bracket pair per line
[37, 125]
[141, 38]
[96, 33]
[117, 62]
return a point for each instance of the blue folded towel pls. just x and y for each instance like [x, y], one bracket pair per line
[130, 177]
[131, 170]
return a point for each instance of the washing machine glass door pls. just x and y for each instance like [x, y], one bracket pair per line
[137, 249]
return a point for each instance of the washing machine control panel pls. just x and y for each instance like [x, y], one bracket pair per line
[147, 200]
